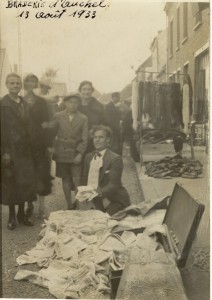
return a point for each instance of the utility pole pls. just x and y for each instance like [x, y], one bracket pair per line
[19, 47]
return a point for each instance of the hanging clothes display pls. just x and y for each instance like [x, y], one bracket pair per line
[135, 104]
[161, 104]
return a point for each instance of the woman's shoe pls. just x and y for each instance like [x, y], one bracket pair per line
[30, 209]
[11, 224]
[27, 222]
[24, 220]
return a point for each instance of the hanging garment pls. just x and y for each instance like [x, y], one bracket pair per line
[185, 108]
[135, 104]
[173, 105]
[141, 96]
[162, 96]
[176, 104]
[157, 104]
[152, 111]
[147, 98]
[167, 105]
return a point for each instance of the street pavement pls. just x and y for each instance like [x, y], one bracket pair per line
[196, 280]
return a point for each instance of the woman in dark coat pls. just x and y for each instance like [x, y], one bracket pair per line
[17, 181]
[40, 141]
[90, 107]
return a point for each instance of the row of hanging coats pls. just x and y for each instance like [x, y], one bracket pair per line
[159, 104]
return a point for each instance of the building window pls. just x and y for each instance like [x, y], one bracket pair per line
[185, 20]
[198, 17]
[178, 28]
[171, 38]
[198, 20]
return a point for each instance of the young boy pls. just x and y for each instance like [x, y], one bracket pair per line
[71, 143]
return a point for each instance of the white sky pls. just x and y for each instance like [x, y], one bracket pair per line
[102, 50]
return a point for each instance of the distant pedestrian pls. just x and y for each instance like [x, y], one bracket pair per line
[51, 100]
[40, 142]
[112, 116]
[128, 135]
[44, 88]
[71, 144]
[91, 108]
[18, 177]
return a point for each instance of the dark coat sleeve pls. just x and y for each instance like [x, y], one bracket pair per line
[46, 118]
[5, 128]
[82, 146]
[86, 165]
[114, 178]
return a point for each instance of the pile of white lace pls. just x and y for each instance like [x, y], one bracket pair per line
[78, 250]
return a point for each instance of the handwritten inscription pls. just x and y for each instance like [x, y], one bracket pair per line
[57, 9]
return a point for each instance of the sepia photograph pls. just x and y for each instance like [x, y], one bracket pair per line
[105, 149]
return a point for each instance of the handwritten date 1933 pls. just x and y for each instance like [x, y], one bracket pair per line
[84, 13]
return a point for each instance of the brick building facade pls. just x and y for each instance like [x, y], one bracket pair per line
[188, 30]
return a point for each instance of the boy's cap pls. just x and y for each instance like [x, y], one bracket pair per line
[73, 95]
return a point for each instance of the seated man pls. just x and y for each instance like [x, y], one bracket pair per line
[102, 171]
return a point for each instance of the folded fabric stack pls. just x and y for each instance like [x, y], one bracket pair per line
[85, 193]
[169, 167]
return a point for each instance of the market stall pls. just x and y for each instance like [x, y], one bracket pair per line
[162, 113]
[80, 251]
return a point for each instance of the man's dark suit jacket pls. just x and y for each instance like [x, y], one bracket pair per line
[112, 117]
[109, 178]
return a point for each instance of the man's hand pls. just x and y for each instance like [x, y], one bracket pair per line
[6, 159]
[99, 192]
[105, 203]
[44, 125]
[78, 159]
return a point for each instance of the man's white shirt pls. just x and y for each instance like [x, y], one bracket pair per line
[95, 165]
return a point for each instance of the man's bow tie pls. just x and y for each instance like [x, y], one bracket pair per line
[97, 153]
